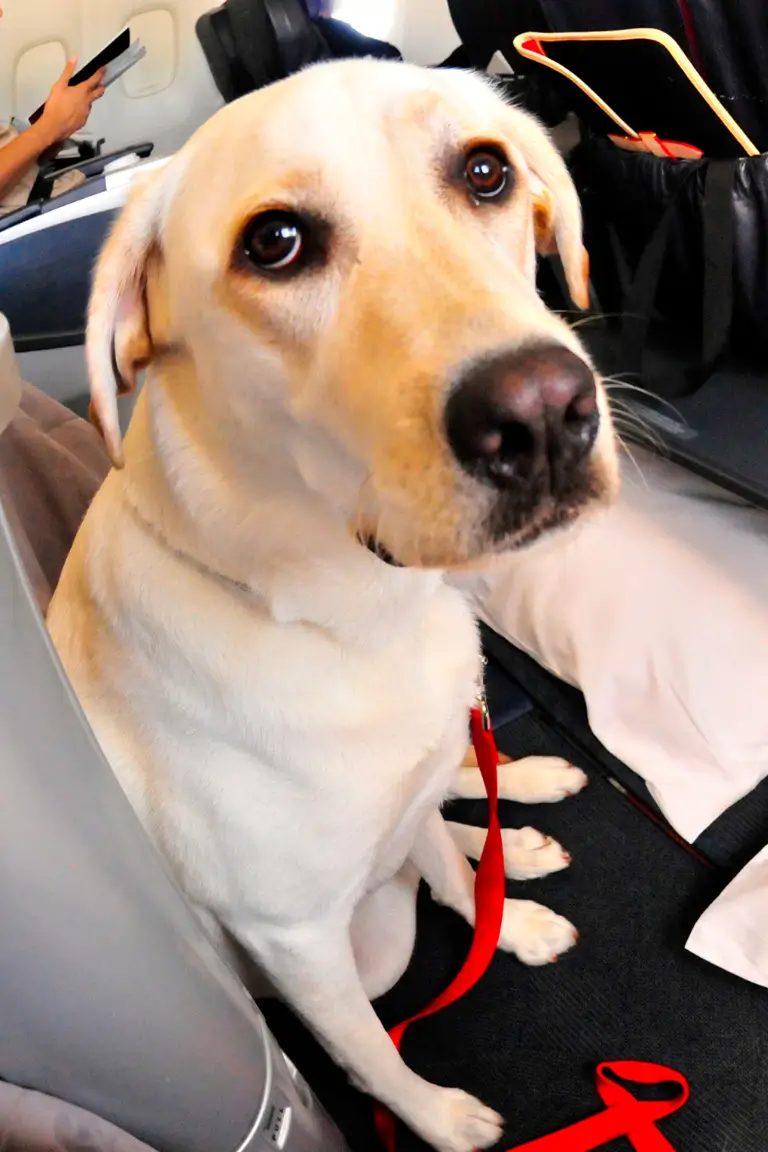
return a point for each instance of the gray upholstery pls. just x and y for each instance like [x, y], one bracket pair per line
[112, 997]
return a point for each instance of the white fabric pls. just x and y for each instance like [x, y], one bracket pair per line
[658, 611]
[733, 932]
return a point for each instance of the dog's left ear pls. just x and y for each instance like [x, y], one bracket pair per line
[556, 207]
[119, 340]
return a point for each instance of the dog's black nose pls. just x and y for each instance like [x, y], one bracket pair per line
[515, 414]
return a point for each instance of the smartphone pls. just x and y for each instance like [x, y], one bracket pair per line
[121, 43]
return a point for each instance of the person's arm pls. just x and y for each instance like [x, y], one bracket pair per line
[17, 157]
[66, 111]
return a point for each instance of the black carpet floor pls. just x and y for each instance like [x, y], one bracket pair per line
[527, 1041]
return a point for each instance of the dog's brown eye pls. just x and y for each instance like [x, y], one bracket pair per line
[486, 172]
[274, 241]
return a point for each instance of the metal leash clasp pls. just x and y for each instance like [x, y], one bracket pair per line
[482, 699]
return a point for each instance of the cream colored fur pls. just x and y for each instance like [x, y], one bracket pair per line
[285, 711]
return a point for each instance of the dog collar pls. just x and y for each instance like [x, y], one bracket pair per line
[378, 549]
[372, 545]
[188, 558]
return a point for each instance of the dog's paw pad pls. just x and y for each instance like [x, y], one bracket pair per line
[529, 854]
[535, 934]
[461, 1123]
[539, 780]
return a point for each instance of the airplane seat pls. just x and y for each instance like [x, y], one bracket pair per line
[115, 999]
[47, 252]
[251, 43]
[47, 249]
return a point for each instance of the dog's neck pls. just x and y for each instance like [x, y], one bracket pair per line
[267, 534]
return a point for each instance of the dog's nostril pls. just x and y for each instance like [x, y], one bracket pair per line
[516, 441]
[581, 408]
[581, 420]
[486, 441]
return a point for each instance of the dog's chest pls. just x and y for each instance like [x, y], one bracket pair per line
[275, 741]
[358, 718]
[274, 683]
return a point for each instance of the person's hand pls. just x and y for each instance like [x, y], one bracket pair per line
[67, 109]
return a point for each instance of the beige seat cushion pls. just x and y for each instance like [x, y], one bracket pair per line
[18, 195]
[51, 466]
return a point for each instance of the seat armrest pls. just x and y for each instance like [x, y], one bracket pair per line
[20, 215]
[96, 164]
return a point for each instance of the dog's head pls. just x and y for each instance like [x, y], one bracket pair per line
[346, 264]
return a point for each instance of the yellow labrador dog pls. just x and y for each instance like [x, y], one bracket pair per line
[353, 386]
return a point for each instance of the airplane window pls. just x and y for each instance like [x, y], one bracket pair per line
[157, 32]
[36, 70]
[375, 20]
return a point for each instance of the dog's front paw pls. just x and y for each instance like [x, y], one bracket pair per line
[535, 934]
[529, 854]
[539, 780]
[457, 1122]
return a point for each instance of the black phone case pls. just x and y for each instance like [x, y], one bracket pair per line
[115, 48]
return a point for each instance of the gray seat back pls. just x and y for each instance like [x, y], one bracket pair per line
[111, 995]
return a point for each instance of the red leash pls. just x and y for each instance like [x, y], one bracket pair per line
[624, 1115]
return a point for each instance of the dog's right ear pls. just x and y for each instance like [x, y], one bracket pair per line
[556, 207]
[119, 338]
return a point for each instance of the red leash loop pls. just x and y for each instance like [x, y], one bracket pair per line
[624, 1115]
